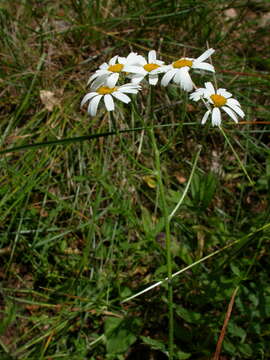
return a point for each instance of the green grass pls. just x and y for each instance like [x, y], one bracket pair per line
[82, 220]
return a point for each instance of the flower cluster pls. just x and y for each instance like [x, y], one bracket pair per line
[105, 83]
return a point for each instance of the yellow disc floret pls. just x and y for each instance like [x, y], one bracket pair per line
[181, 63]
[150, 67]
[218, 100]
[116, 68]
[103, 90]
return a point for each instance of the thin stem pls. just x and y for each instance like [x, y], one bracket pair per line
[168, 242]
[236, 155]
[187, 186]
[165, 213]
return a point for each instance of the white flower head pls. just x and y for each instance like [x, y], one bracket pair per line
[178, 71]
[108, 94]
[216, 100]
[150, 68]
[108, 73]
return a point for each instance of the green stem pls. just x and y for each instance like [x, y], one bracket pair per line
[187, 186]
[168, 242]
[237, 157]
[165, 213]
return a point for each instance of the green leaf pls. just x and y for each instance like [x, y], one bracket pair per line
[184, 254]
[120, 334]
[265, 306]
[154, 344]
[229, 347]
[181, 355]
[188, 315]
[235, 330]
[235, 269]
[203, 188]
[245, 350]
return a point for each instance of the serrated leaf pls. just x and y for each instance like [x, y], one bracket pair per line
[154, 344]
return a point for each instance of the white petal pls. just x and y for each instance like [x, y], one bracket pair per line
[205, 55]
[113, 60]
[104, 66]
[207, 95]
[233, 102]
[88, 97]
[153, 79]
[203, 66]
[185, 79]
[134, 69]
[128, 90]
[93, 105]
[97, 74]
[209, 86]
[122, 60]
[120, 96]
[237, 109]
[205, 116]
[134, 59]
[159, 62]
[112, 80]
[132, 56]
[100, 81]
[108, 100]
[152, 56]
[197, 94]
[224, 92]
[136, 79]
[168, 77]
[216, 117]
[141, 61]
[230, 113]
[92, 77]
[130, 86]
[177, 77]
[162, 69]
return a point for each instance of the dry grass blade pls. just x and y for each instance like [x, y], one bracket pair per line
[225, 324]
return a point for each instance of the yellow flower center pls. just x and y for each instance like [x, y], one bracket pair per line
[218, 100]
[103, 90]
[181, 63]
[150, 67]
[116, 67]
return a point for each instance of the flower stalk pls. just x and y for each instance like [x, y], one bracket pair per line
[165, 214]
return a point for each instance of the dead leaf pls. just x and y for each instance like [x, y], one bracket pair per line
[180, 178]
[150, 181]
[190, 108]
[48, 99]
[265, 20]
[230, 13]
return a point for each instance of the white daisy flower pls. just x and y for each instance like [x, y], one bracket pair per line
[216, 100]
[108, 73]
[178, 71]
[151, 68]
[108, 93]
